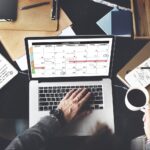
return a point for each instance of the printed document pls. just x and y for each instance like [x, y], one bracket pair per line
[7, 71]
[140, 76]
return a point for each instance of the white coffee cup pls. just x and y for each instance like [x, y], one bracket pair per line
[137, 98]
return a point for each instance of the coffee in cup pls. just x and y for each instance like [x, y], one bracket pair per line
[136, 98]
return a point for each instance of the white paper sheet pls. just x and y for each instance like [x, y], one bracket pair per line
[138, 76]
[7, 71]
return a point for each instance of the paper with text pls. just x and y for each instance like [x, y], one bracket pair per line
[7, 71]
[139, 76]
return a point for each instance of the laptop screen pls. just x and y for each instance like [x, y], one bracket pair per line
[69, 57]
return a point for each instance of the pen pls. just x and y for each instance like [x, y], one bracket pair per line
[145, 68]
[55, 10]
[111, 5]
[34, 5]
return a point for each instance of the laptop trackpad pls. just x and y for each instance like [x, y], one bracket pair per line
[84, 126]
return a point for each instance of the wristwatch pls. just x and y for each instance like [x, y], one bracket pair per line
[59, 115]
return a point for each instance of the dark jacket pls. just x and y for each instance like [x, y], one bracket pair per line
[36, 137]
[140, 143]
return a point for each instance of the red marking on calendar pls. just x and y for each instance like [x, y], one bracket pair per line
[81, 61]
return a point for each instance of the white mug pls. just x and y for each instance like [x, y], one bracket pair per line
[128, 99]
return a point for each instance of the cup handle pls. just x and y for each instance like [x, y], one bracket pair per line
[143, 109]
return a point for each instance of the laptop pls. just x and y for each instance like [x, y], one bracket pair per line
[59, 64]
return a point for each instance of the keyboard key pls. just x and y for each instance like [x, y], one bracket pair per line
[50, 107]
[46, 108]
[41, 91]
[48, 99]
[42, 99]
[54, 107]
[41, 108]
[51, 103]
[96, 107]
[43, 103]
[42, 95]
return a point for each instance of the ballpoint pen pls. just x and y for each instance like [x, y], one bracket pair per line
[109, 4]
[145, 68]
[55, 10]
[35, 5]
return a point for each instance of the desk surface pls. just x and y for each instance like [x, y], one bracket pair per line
[14, 96]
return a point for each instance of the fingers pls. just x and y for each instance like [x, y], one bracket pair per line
[69, 94]
[80, 95]
[74, 94]
[84, 99]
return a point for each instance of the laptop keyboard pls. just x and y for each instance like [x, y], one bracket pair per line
[49, 97]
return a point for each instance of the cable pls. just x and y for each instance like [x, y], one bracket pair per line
[118, 86]
[23, 73]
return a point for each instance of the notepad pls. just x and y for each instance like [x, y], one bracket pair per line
[7, 71]
[8, 10]
[139, 77]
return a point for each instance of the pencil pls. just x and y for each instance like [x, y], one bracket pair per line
[34, 5]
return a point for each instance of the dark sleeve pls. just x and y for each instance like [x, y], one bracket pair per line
[139, 143]
[148, 146]
[36, 137]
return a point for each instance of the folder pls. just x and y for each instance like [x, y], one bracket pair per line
[34, 19]
[116, 22]
[140, 57]
[13, 40]
[121, 23]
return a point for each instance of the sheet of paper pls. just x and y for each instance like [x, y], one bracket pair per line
[22, 63]
[139, 76]
[7, 71]
[67, 32]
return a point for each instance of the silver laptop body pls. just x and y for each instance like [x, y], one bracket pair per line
[44, 74]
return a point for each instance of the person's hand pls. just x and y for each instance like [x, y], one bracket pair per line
[71, 104]
[146, 120]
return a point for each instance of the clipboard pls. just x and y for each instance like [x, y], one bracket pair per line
[34, 19]
[141, 56]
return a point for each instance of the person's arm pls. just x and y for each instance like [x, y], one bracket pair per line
[147, 145]
[36, 137]
[146, 120]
